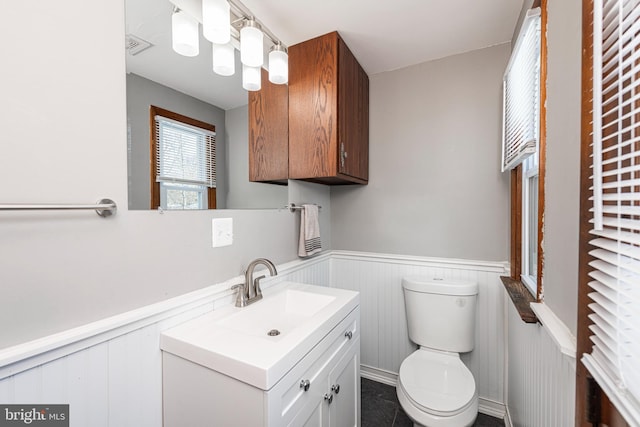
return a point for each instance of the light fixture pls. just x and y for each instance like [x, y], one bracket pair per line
[229, 25]
[216, 21]
[224, 61]
[184, 31]
[278, 64]
[251, 44]
[251, 78]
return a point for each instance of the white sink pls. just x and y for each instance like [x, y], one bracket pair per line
[242, 342]
[281, 312]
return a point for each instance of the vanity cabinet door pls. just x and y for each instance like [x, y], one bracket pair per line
[328, 113]
[317, 418]
[344, 379]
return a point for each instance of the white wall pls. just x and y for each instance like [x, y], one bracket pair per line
[110, 372]
[63, 114]
[562, 185]
[435, 185]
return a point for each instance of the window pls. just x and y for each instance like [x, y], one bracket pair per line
[529, 269]
[522, 150]
[609, 293]
[183, 151]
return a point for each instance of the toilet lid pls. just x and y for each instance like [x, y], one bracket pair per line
[437, 382]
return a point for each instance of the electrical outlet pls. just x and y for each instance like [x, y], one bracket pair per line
[222, 232]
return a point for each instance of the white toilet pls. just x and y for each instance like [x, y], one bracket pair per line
[435, 388]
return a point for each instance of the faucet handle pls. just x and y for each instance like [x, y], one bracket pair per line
[256, 285]
[241, 298]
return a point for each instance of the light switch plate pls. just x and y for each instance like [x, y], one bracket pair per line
[222, 232]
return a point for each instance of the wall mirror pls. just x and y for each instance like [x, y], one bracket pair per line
[157, 76]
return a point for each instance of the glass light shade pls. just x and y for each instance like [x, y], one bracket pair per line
[278, 65]
[184, 34]
[251, 78]
[224, 61]
[216, 21]
[251, 45]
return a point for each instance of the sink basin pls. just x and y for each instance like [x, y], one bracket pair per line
[258, 344]
[279, 313]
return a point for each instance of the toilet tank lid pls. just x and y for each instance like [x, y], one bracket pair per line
[430, 285]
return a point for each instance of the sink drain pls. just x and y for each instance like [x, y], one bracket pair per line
[273, 333]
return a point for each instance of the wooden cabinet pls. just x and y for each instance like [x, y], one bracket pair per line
[328, 113]
[269, 133]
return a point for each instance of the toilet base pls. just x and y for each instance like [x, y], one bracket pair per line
[420, 418]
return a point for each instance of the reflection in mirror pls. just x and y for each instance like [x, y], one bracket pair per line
[157, 76]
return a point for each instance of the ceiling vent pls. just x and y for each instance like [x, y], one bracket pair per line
[135, 45]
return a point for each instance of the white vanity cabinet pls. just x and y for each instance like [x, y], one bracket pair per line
[339, 405]
[320, 388]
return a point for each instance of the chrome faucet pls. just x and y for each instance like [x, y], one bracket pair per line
[249, 291]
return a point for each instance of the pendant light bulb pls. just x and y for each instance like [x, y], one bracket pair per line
[216, 21]
[251, 44]
[278, 65]
[224, 60]
[251, 78]
[184, 33]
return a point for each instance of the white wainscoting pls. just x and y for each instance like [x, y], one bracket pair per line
[110, 371]
[541, 375]
[384, 339]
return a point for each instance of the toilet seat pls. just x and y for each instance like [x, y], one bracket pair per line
[437, 383]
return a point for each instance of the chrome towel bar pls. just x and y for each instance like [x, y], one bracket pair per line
[105, 207]
[293, 207]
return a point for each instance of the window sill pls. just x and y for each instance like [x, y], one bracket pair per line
[521, 298]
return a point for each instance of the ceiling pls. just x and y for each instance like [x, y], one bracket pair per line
[383, 35]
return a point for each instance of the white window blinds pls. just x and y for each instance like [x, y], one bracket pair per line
[184, 154]
[615, 268]
[521, 92]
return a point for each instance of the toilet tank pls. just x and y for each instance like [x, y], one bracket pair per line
[441, 314]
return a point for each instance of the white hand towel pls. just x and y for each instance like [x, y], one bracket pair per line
[309, 231]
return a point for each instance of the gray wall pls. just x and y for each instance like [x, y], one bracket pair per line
[562, 185]
[435, 184]
[64, 117]
[241, 193]
[141, 93]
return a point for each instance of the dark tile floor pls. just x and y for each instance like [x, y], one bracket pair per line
[380, 408]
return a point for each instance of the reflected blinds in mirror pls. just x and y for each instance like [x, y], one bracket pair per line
[184, 153]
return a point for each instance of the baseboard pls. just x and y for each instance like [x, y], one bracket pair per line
[379, 375]
[491, 408]
[507, 419]
[485, 406]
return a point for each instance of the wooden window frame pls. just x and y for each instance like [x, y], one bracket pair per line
[155, 186]
[592, 405]
[519, 293]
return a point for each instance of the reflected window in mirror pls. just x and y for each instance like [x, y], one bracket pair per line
[183, 151]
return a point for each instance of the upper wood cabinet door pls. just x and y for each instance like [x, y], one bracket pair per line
[353, 119]
[328, 113]
[269, 133]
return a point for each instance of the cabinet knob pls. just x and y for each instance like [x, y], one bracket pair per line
[328, 397]
[305, 384]
[348, 334]
[336, 388]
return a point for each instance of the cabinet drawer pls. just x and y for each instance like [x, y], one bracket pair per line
[288, 397]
